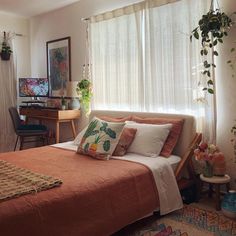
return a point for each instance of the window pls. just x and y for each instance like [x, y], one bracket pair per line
[143, 60]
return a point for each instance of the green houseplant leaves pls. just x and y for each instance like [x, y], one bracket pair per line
[211, 30]
[6, 49]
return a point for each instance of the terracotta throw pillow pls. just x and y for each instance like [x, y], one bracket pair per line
[125, 141]
[100, 139]
[173, 136]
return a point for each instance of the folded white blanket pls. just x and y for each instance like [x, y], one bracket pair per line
[169, 195]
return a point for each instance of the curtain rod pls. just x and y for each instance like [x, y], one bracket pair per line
[126, 10]
[14, 33]
[85, 19]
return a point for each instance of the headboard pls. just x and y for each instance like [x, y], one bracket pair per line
[186, 136]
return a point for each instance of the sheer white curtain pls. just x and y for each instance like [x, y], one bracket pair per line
[143, 61]
[173, 65]
[117, 63]
[8, 98]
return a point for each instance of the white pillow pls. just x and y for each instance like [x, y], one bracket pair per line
[149, 138]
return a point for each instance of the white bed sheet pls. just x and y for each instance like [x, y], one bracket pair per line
[173, 160]
[162, 170]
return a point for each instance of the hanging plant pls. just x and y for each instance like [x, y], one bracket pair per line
[233, 140]
[232, 61]
[211, 30]
[6, 49]
[84, 90]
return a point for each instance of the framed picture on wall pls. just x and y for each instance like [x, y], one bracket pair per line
[58, 66]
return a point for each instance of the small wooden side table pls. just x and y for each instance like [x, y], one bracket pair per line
[216, 181]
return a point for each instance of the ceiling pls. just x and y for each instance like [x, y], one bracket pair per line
[29, 8]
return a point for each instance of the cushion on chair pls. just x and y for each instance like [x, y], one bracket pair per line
[32, 127]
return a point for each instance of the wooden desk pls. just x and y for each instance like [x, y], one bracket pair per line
[57, 116]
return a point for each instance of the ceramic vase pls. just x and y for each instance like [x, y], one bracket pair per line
[208, 170]
[228, 205]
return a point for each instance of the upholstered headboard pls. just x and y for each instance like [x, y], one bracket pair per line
[186, 136]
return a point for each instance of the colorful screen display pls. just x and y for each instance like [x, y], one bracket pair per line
[33, 87]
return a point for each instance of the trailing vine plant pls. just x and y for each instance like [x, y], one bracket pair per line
[84, 90]
[233, 140]
[232, 61]
[211, 30]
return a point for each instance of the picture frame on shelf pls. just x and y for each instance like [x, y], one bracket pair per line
[58, 53]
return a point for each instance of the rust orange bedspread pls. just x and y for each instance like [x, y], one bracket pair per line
[96, 197]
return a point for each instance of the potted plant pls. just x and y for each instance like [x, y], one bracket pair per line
[6, 49]
[84, 90]
[211, 30]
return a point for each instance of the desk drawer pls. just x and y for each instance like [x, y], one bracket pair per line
[68, 114]
[50, 114]
[33, 112]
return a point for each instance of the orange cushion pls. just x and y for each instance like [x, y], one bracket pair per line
[173, 135]
[125, 141]
[115, 119]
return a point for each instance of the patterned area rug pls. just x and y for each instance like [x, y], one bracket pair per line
[190, 221]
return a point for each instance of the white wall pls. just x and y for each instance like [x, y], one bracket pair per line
[21, 44]
[226, 94]
[66, 22]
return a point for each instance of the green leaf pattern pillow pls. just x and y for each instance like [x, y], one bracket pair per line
[100, 139]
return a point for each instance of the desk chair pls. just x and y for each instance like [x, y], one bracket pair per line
[24, 131]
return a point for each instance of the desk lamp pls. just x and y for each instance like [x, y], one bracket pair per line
[74, 103]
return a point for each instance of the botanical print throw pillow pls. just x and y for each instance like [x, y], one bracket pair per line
[100, 139]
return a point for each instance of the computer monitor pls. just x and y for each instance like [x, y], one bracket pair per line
[33, 87]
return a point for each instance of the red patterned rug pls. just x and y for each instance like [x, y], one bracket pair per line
[190, 221]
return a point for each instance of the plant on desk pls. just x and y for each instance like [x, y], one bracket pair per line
[63, 103]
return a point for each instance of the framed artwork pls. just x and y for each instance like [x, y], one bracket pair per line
[58, 66]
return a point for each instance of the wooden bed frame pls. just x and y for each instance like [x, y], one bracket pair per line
[108, 210]
[187, 164]
[186, 153]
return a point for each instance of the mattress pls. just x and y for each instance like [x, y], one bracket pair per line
[173, 160]
[96, 197]
[163, 174]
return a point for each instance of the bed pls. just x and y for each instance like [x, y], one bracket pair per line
[96, 197]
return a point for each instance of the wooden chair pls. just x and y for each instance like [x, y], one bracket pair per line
[27, 131]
